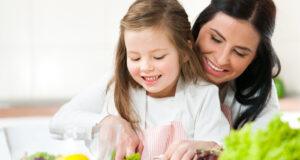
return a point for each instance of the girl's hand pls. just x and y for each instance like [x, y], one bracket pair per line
[128, 141]
[186, 149]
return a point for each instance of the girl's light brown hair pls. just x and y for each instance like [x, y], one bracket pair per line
[168, 16]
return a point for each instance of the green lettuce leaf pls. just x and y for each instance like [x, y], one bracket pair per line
[278, 142]
[41, 156]
[135, 156]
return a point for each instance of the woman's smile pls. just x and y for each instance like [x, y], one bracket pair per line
[213, 69]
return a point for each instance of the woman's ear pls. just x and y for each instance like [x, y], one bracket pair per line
[190, 44]
[185, 58]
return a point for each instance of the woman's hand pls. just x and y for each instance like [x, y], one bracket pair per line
[128, 141]
[186, 149]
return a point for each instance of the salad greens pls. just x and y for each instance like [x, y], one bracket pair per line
[41, 156]
[278, 142]
[134, 156]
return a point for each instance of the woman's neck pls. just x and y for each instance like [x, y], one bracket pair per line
[222, 91]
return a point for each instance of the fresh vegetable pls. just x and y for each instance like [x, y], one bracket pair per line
[278, 142]
[113, 155]
[207, 154]
[279, 87]
[47, 156]
[41, 156]
[134, 156]
[77, 156]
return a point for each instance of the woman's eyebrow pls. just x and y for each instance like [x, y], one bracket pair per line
[218, 33]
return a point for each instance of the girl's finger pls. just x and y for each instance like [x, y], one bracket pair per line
[120, 153]
[189, 154]
[140, 147]
[180, 150]
[171, 149]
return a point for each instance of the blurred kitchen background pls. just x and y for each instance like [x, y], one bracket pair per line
[50, 50]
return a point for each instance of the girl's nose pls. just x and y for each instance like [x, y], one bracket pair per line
[146, 66]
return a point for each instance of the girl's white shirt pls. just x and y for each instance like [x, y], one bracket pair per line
[196, 106]
[83, 111]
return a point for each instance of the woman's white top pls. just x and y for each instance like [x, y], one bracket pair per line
[271, 108]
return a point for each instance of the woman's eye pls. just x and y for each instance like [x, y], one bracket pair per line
[239, 53]
[216, 39]
[159, 57]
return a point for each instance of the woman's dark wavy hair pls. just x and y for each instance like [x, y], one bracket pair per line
[253, 86]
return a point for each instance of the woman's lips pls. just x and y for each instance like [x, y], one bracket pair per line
[212, 69]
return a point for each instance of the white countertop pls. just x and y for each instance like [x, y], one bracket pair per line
[29, 135]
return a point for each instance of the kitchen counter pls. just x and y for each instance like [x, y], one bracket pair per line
[28, 135]
[290, 104]
[25, 129]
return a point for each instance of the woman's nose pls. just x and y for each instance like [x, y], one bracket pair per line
[223, 57]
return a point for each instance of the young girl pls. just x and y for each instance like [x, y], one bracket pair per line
[157, 84]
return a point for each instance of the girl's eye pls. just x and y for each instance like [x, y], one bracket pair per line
[135, 59]
[160, 57]
[216, 39]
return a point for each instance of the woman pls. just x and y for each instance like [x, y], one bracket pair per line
[234, 37]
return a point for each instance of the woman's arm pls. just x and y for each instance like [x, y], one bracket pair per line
[81, 113]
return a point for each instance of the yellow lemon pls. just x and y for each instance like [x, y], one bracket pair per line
[76, 157]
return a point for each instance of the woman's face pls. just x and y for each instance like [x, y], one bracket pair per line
[228, 46]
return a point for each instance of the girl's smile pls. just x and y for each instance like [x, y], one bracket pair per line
[151, 80]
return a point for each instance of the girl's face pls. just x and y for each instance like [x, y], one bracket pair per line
[228, 46]
[152, 61]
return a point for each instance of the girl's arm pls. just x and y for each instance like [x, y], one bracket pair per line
[81, 113]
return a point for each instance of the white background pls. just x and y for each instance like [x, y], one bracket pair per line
[52, 49]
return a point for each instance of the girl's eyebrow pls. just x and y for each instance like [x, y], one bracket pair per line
[158, 49]
[132, 52]
[151, 51]
[240, 47]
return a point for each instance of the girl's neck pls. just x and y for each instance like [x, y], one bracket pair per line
[167, 93]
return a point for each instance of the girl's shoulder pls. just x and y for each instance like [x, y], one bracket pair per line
[201, 88]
